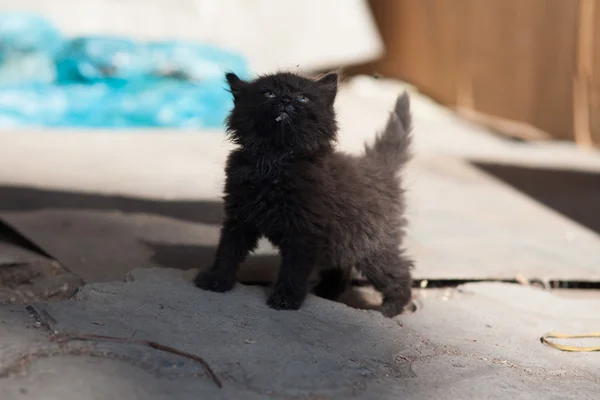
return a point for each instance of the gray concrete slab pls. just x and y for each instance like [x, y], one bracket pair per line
[449, 204]
[103, 246]
[481, 341]
[13, 250]
[27, 276]
[11, 254]
[464, 224]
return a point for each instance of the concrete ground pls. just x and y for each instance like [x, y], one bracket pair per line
[135, 224]
[481, 341]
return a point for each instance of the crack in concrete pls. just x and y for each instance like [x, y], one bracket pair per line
[22, 363]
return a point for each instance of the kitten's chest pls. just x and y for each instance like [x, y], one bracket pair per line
[267, 175]
[268, 191]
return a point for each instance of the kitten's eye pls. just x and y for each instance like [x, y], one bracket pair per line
[302, 98]
[270, 95]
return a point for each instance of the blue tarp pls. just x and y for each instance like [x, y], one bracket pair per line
[113, 82]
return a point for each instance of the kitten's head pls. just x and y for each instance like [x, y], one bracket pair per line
[283, 112]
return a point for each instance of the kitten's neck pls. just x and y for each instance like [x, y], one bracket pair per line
[289, 154]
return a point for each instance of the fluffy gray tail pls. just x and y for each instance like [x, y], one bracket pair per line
[391, 147]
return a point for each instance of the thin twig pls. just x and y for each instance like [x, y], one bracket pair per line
[154, 345]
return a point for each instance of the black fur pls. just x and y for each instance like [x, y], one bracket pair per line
[326, 211]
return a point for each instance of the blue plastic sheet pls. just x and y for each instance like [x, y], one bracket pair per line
[90, 59]
[109, 82]
[22, 32]
[193, 61]
[166, 103]
[26, 68]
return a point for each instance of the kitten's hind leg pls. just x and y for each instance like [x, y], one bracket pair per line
[389, 272]
[332, 283]
[236, 241]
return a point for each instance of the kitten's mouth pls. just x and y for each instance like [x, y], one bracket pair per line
[282, 117]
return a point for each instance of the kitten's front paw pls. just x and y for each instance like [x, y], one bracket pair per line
[215, 282]
[283, 300]
[392, 307]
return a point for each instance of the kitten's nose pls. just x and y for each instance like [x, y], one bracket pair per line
[286, 105]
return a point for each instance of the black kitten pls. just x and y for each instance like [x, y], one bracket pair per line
[326, 211]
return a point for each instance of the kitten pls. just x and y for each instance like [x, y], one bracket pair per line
[325, 210]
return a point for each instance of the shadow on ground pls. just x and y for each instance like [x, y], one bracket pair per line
[14, 198]
[575, 194]
[258, 269]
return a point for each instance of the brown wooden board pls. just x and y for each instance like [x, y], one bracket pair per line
[499, 60]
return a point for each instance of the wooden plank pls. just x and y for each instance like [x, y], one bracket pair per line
[512, 60]
[582, 82]
[522, 61]
[595, 81]
[421, 40]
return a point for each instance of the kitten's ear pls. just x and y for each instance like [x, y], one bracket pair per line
[330, 79]
[330, 83]
[236, 85]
